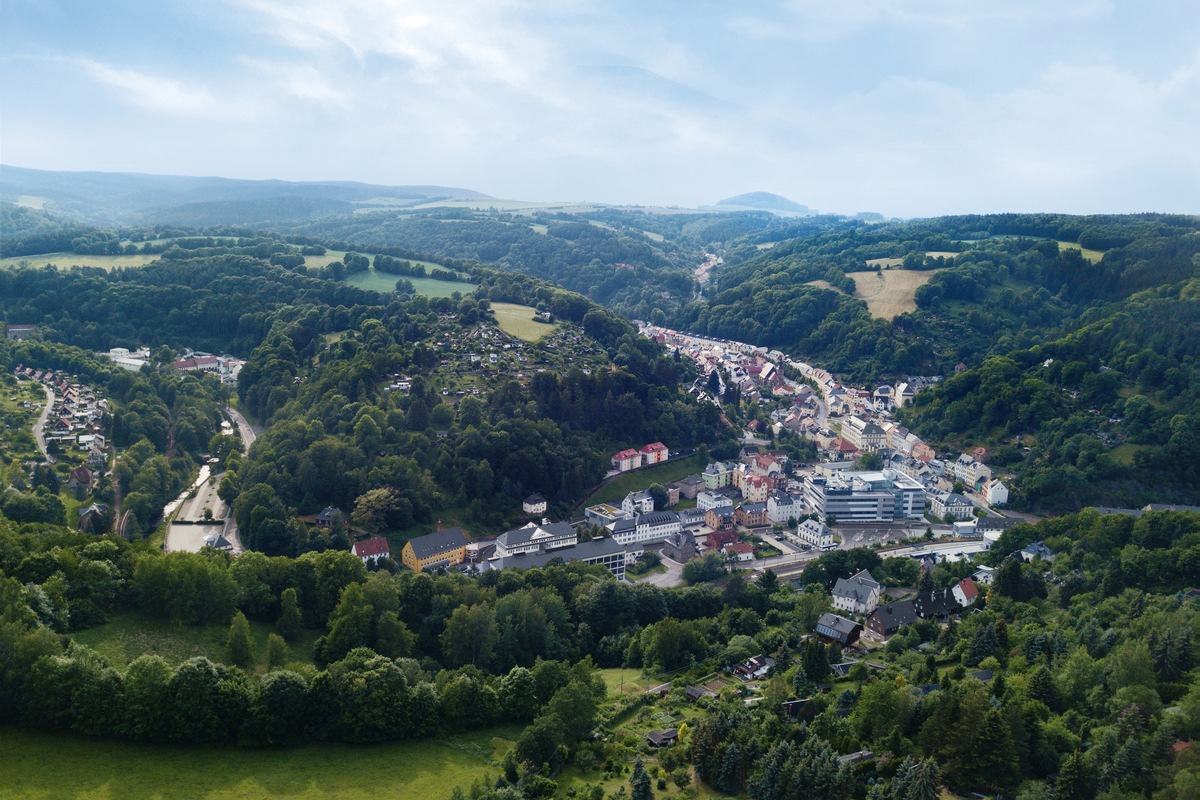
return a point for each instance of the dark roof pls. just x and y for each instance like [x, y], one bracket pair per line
[754, 508]
[997, 523]
[432, 544]
[895, 616]
[329, 514]
[938, 603]
[556, 530]
[836, 623]
[596, 548]
[534, 499]
[658, 738]
[657, 518]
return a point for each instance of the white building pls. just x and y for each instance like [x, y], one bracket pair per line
[858, 594]
[707, 500]
[996, 492]
[865, 496]
[782, 506]
[643, 528]
[638, 502]
[814, 533]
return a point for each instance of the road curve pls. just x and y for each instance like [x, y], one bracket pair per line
[249, 434]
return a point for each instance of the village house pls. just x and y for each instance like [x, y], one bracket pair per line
[754, 668]
[680, 546]
[641, 502]
[1036, 550]
[971, 471]
[834, 628]
[534, 504]
[952, 503]
[707, 500]
[884, 621]
[372, 549]
[329, 517]
[719, 519]
[858, 594]
[966, 592]
[739, 551]
[996, 492]
[80, 480]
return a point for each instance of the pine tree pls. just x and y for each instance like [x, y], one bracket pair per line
[239, 647]
[1074, 781]
[991, 762]
[925, 781]
[290, 622]
[277, 651]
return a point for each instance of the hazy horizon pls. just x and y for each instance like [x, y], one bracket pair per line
[924, 108]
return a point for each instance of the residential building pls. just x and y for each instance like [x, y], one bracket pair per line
[938, 604]
[717, 475]
[1037, 550]
[719, 519]
[972, 472]
[751, 515]
[218, 542]
[19, 331]
[690, 486]
[638, 502]
[444, 548]
[834, 628]
[372, 549]
[983, 576]
[81, 479]
[885, 620]
[814, 533]
[691, 518]
[756, 488]
[626, 460]
[707, 500]
[329, 517]
[858, 594]
[952, 503]
[739, 551]
[865, 496]
[654, 453]
[996, 492]
[754, 668]
[782, 506]
[534, 504]
[966, 592]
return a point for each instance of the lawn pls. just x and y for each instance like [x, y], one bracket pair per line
[824, 284]
[673, 470]
[890, 293]
[132, 633]
[620, 680]
[518, 321]
[63, 260]
[1093, 256]
[386, 283]
[41, 765]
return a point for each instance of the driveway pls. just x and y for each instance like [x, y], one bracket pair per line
[672, 577]
[39, 426]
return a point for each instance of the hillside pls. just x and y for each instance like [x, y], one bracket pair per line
[765, 201]
[109, 198]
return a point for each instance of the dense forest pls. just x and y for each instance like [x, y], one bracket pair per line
[1090, 664]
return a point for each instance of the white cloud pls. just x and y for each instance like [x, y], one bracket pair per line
[163, 94]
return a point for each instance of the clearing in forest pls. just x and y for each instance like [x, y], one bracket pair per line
[517, 320]
[890, 293]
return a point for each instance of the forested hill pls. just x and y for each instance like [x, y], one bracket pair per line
[487, 419]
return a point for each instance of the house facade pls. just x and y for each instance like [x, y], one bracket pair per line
[372, 549]
[445, 548]
[858, 594]
[814, 533]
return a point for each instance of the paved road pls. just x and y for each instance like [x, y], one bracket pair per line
[39, 426]
[249, 432]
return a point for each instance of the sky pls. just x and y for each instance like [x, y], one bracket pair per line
[905, 107]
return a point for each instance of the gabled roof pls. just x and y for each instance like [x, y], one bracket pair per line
[938, 603]
[836, 623]
[969, 589]
[657, 518]
[534, 499]
[894, 616]
[371, 547]
[432, 544]
[753, 508]
[554, 531]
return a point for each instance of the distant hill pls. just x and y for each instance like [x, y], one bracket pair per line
[116, 198]
[764, 201]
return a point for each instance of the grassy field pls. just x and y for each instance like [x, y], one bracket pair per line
[885, 263]
[823, 284]
[64, 260]
[40, 766]
[1093, 256]
[383, 282]
[642, 478]
[518, 321]
[16, 422]
[132, 633]
[890, 293]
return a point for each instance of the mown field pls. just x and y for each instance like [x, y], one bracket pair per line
[643, 478]
[518, 321]
[1093, 256]
[65, 260]
[42, 766]
[386, 283]
[890, 293]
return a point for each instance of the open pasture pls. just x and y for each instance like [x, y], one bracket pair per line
[517, 320]
[890, 293]
[386, 283]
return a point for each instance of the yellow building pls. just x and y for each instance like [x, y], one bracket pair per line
[440, 549]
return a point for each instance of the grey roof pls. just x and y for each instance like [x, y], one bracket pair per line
[837, 623]
[329, 514]
[431, 544]
[858, 586]
[534, 499]
[997, 523]
[1038, 550]
[657, 518]
[938, 603]
[754, 508]
[520, 536]
[595, 548]
[895, 616]
[217, 542]
[624, 525]
[691, 480]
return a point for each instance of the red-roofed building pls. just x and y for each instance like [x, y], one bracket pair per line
[966, 592]
[81, 478]
[739, 551]
[372, 548]
[626, 460]
[655, 453]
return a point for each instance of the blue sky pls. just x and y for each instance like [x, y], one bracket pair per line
[908, 107]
